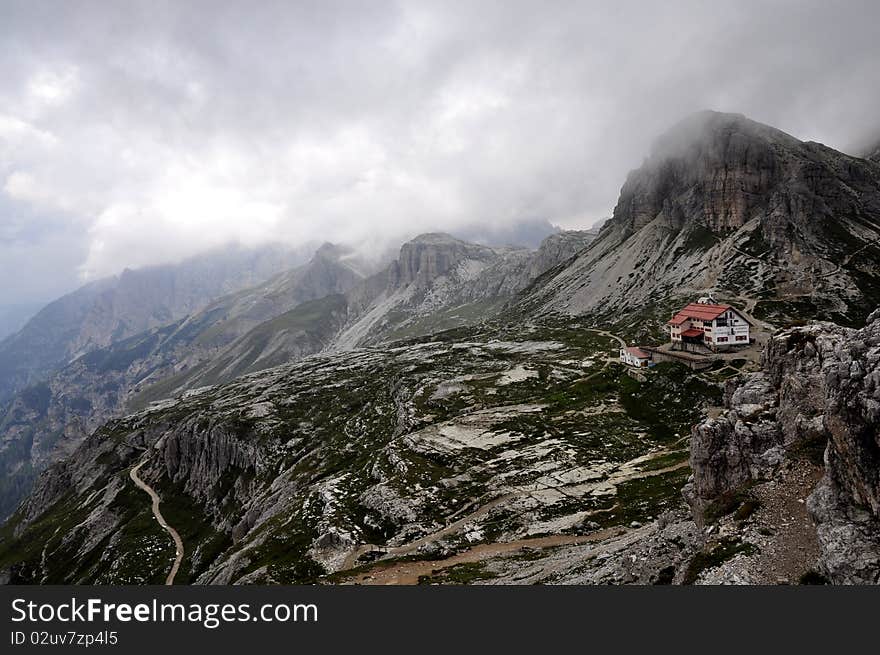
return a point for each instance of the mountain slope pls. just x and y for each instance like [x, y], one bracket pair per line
[291, 473]
[437, 282]
[46, 421]
[136, 300]
[741, 210]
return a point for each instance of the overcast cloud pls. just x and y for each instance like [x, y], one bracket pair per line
[137, 133]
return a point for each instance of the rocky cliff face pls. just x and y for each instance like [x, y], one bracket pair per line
[727, 206]
[713, 169]
[429, 256]
[819, 392]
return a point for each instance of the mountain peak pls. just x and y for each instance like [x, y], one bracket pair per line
[712, 130]
[331, 251]
[435, 238]
[719, 170]
[432, 254]
[728, 204]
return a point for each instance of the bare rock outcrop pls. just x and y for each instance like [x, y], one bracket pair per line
[741, 445]
[429, 256]
[820, 389]
[728, 205]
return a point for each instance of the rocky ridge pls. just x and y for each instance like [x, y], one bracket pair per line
[732, 208]
[47, 421]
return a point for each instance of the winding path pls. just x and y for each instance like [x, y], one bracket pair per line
[178, 542]
[387, 571]
[351, 561]
[605, 333]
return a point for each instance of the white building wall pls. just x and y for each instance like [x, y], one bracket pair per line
[631, 360]
[734, 333]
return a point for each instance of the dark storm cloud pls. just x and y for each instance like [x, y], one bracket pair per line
[153, 130]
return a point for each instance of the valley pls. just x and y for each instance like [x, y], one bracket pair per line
[460, 414]
[481, 438]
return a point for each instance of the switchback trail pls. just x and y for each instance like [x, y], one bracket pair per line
[178, 542]
[848, 258]
[610, 335]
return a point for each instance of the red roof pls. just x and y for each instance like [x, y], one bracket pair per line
[699, 311]
[693, 332]
[638, 352]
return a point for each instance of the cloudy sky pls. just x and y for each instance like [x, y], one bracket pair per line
[136, 133]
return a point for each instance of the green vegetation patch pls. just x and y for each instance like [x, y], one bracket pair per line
[714, 555]
[670, 401]
[459, 574]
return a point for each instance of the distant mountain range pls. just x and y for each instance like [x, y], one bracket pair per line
[111, 309]
[458, 395]
[333, 302]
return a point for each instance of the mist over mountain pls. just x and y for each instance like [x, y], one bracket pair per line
[472, 121]
[431, 293]
[339, 411]
[111, 309]
[729, 207]
[13, 317]
[528, 234]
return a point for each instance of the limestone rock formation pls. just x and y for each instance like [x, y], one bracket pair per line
[820, 390]
[727, 206]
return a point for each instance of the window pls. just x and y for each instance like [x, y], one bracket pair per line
[720, 339]
[740, 337]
